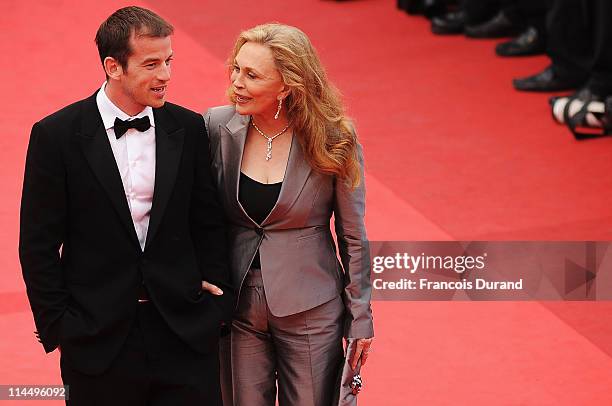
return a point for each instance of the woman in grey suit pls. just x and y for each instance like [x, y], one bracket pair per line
[286, 158]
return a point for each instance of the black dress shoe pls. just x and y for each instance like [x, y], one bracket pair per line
[546, 81]
[497, 27]
[530, 42]
[451, 23]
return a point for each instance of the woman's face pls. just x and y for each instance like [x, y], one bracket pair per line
[256, 83]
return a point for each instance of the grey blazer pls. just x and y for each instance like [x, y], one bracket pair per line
[299, 264]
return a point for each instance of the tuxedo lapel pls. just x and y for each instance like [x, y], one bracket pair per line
[98, 153]
[168, 149]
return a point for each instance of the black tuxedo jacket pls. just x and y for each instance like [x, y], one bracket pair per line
[81, 260]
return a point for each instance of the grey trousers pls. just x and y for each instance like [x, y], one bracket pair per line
[301, 354]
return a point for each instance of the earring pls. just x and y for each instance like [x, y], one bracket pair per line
[280, 104]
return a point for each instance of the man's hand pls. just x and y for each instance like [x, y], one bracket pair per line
[361, 350]
[210, 288]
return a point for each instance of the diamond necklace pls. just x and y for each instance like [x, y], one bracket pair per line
[270, 139]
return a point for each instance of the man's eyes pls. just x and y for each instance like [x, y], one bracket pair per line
[152, 65]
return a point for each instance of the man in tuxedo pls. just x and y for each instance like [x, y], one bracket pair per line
[120, 225]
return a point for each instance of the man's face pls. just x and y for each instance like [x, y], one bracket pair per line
[145, 79]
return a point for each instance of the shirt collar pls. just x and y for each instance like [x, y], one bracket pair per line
[109, 111]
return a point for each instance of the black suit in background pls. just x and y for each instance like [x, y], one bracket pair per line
[580, 35]
[524, 13]
[479, 11]
[82, 262]
[569, 39]
[520, 12]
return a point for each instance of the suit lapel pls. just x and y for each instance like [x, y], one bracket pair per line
[232, 148]
[296, 172]
[296, 175]
[98, 153]
[168, 149]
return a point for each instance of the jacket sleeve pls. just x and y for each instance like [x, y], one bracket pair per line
[349, 211]
[42, 232]
[209, 227]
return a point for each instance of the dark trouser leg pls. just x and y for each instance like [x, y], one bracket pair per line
[180, 376]
[154, 367]
[479, 11]
[569, 39]
[511, 10]
[533, 12]
[601, 77]
[125, 383]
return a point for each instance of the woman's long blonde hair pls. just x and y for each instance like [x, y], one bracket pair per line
[314, 108]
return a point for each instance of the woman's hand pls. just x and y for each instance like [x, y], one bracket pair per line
[362, 349]
[210, 288]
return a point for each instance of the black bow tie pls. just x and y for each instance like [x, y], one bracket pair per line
[140, 124]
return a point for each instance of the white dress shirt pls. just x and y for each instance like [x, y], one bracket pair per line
[135, 157]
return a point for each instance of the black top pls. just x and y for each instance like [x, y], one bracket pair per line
[258, 200]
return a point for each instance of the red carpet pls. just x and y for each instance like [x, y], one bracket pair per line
[452, 152]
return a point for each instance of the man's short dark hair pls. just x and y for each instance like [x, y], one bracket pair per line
[113, 36]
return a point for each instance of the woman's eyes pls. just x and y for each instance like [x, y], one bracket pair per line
[250, 74]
